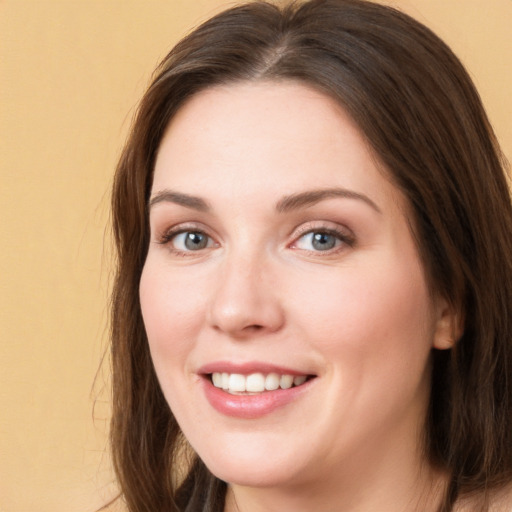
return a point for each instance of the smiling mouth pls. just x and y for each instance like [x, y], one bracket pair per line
[255, 383]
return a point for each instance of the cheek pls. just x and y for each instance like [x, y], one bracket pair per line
[369, 315]
[170, 310]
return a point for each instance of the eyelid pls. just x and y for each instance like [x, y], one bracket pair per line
[344, 234]
[167, 230]
[167, 235]
[320, 225]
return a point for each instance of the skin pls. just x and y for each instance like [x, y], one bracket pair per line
[359, 316]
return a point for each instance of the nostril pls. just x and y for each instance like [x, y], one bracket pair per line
[247, 328]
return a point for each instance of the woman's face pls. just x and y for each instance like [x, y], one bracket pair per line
[282, 257]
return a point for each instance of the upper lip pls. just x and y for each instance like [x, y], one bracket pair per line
[248, 367]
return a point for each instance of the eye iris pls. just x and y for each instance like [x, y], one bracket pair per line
[195, 241]
[323, 241]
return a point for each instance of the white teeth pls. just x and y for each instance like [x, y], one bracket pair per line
[236, 382]
[255, 382]
[286, 381]
[272, 382]
[225, 381]
[217, 380]
[297, 381]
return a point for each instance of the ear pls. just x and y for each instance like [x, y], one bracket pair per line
[448, 325]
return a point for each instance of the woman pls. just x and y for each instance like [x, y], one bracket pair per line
[312, 304]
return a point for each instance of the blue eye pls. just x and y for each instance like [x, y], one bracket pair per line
[190, 241]
[319, 241]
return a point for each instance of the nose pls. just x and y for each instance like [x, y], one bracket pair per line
[246, 299]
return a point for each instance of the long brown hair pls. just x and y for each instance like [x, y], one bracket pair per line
[419, 111]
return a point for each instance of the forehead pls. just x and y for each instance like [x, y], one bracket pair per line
[276, 111]
[243, 137]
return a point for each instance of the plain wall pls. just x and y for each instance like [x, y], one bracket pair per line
[71, 72]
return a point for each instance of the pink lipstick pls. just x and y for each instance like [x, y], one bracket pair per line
[252, 390]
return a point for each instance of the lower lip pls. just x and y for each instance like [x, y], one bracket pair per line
[251, 406]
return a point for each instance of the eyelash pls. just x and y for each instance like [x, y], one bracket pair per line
[167, 238]
[345, 239]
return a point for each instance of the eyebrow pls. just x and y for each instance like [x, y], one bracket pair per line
[286, 204]
[312, 197]
[169, 196]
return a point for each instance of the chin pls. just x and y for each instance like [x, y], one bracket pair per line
[251, 477]
[258, 470]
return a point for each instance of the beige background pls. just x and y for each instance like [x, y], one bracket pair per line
[71, 72]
